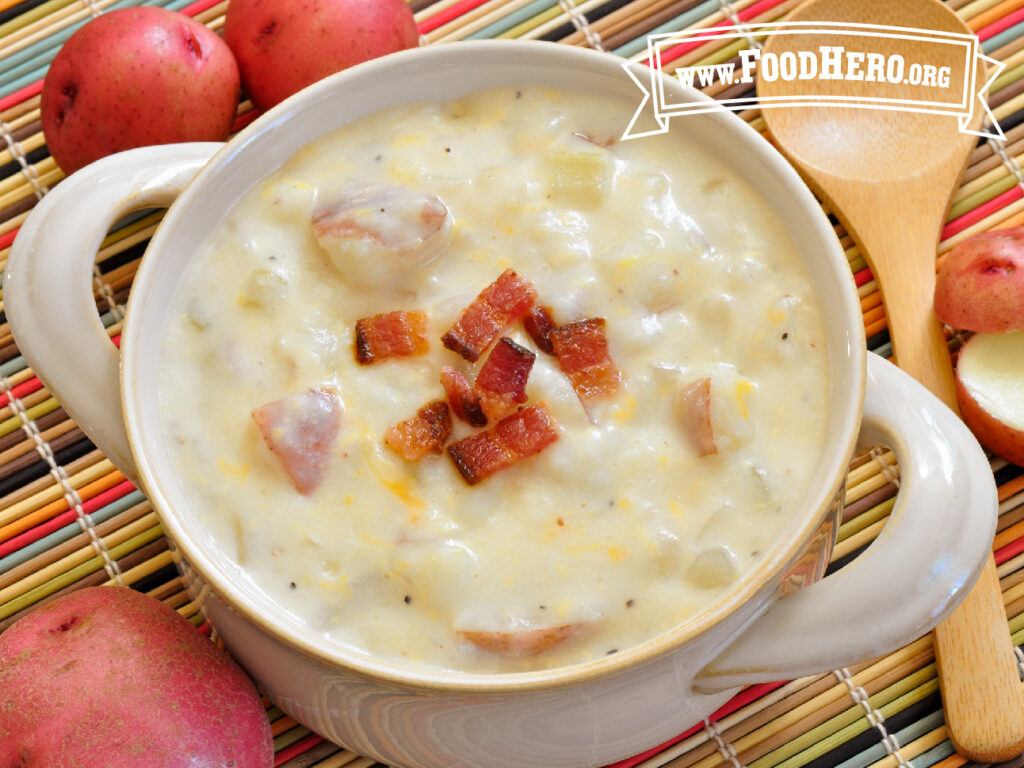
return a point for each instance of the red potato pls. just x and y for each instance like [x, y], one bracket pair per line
[990, 391]
[137, 77]
[282, 45]
[106, 676]
[980, 286]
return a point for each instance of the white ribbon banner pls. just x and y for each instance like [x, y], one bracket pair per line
[942, 65]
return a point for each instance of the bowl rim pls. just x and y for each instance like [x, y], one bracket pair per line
[756, 583]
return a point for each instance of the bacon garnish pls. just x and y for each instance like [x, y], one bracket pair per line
[391, 334]
[695, 410]
[527, 431]
[300, 430]
[463, 399]
[423, 434]
[582, 352]
[502, 378]
[528, 642]
[499, 304]
[539, 324]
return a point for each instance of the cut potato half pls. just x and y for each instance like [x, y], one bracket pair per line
[990, 391]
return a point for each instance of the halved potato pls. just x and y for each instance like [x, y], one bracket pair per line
[990, 391]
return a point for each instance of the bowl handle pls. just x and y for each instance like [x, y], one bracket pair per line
[917, 570]
[48, 283]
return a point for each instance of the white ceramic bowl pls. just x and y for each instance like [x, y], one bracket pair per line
[936, 541]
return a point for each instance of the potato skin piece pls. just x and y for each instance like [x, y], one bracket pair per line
[110, 676]
[528, 642]
[694, 402]
[300, 431]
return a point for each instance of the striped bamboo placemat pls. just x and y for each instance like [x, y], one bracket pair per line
[69, 519]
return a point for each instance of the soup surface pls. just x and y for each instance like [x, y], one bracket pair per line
[337, 343]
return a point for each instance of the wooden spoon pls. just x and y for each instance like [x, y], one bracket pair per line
[888, 176]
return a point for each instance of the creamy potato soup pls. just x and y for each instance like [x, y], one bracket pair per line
[480, 387]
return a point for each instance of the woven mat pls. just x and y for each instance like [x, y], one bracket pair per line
[69, 519]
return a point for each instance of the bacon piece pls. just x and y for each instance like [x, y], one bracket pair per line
[526, 432]
[463, 399]
[300, 430]
[502, 378]
[582, 351]
[423, 434]
[538, 323]
[695, 409]
[499, 304]
[391, 334]
[528, 642]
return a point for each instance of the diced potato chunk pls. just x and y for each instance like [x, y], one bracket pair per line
[578, 172]
[712, 568]
[264, 289]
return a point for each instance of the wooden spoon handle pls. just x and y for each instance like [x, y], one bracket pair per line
[918, 342]
[982, 695]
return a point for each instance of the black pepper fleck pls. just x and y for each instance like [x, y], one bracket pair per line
[785, 335]
[291, 585]
[630, 603]
[408, 599]
[613, 650]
